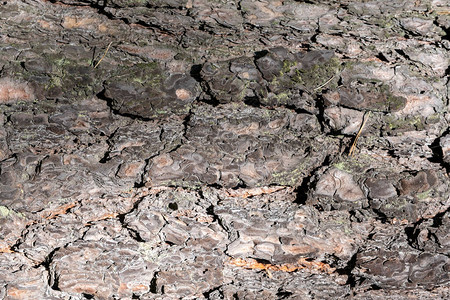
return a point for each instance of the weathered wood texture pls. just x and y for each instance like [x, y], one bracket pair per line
[193, 149]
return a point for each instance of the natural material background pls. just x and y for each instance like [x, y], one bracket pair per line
[193, 149]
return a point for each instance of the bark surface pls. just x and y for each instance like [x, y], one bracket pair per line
[193, 149]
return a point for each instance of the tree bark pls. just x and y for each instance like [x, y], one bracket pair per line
[192, 149]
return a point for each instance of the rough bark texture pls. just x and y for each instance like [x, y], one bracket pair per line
[200, 149]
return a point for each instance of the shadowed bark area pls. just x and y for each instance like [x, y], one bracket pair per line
[193, 149]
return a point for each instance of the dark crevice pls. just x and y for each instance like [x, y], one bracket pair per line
[153, 284]
[252, 101]
[382, 57]
[348, 271]
[437, 219]
[402, 54]
[262, 260]
[141, 182]
[195, 73]
[301, 191]
[307, 183]
[380, 215]
[392, 153]
[447, 34]
[374, 287]
[438, 155]
[169, 243]
[205, 27]
[412, 233]
[106, 157]
[208, 293]
[216, 186]
[207, 95]
[109, 101]
[240, 185]
[121, 217]
[134, 234]
[101, 7]
[313, 38]
[37, 169]
[318, 207]
[210, 100]
[258, 55]
[154, 26]
[320, 104]
[298, 110]
[240, 10]
[186, 121]
[210, 211]
[434, 238]
[282, 294]
[173, 206]
[359, 215]
[370, 236]
[53, 282]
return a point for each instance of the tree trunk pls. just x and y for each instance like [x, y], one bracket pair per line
[251, 149]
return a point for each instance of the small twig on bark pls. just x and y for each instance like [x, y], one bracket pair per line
[329, 80]
[353, 147]
[104, 54]
[324, 84]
